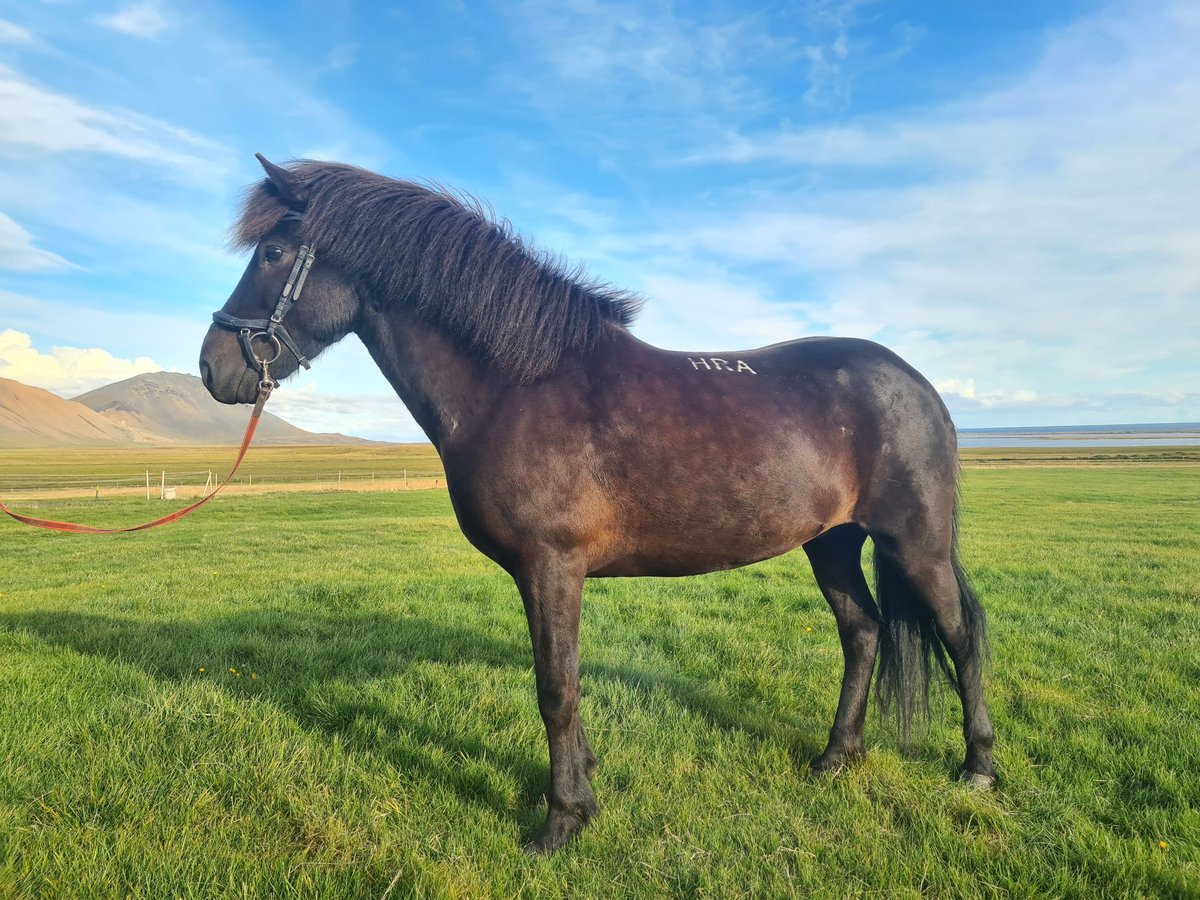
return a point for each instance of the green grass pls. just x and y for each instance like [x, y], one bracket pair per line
[381, 722]
[1050, 455]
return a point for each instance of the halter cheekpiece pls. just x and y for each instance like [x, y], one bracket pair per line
[272, 329]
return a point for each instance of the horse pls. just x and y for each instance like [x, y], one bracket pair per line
[574, 450]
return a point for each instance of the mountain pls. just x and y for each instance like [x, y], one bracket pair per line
[31, 417]
[159, 408]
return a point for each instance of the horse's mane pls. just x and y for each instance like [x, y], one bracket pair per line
[444, 255]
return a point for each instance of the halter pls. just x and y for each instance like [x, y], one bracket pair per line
[272, 329]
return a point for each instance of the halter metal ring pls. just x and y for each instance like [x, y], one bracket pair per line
[269, 337]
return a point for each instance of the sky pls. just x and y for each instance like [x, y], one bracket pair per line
[1005, 193]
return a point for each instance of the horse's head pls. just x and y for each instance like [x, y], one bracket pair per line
[286, 309]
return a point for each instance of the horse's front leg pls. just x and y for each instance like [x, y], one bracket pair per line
[551, 587]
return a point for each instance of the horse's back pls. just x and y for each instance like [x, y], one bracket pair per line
[729, 457]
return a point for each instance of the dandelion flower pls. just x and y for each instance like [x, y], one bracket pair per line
[202, 670]
[808, 628]
[1162, 844]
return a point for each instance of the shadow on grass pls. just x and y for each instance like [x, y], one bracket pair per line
[307, 658]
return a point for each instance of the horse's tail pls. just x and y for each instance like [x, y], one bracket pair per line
[910, 648]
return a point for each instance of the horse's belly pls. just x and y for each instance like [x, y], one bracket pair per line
[700, 556]
[689, 528]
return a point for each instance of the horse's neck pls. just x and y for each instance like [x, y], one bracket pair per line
[443, 387]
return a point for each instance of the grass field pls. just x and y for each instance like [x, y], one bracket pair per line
[124, 471]
[303, 695]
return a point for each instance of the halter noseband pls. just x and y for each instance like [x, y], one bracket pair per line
[272, 329]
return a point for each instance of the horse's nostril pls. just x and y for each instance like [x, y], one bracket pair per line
[206, 374]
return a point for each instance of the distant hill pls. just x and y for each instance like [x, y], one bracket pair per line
[158, 408]
[31, 417]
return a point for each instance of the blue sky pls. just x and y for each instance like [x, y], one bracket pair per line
[1006, 193]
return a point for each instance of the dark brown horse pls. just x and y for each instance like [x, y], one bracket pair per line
[574, 450]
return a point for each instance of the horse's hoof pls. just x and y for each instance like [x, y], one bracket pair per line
[545, 843]
[560, 829]
[833, 761]
[552, 837]
[978, 781]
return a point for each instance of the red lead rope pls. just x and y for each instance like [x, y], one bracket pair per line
[263, 393]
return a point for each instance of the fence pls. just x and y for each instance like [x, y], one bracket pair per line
[166, 484]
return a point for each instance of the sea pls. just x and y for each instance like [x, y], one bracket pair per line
[1168, 434]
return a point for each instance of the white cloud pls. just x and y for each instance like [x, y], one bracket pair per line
[960, 387]
[38, 120]
[18, 253]
[373, 416]
[67, 371]
[962, 393]
[827, 81]
[11, 33]
[140, 20]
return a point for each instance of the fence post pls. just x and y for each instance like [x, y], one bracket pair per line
[147, 484]
[406, 479]
[162, 490]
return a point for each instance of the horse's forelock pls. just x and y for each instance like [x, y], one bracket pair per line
[261, 211]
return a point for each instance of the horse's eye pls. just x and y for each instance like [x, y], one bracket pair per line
[273, 254]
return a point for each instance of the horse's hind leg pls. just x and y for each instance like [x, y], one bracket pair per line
[836, 561]
[941, 588]
[551, 588]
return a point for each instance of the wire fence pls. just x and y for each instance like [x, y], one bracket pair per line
[169, 485]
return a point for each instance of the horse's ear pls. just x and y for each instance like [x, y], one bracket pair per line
[282, 179]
